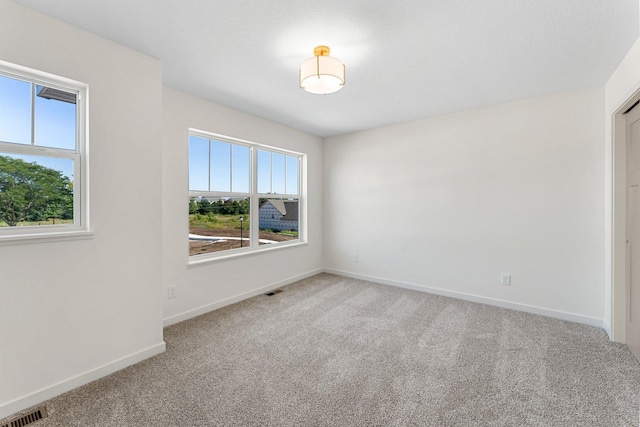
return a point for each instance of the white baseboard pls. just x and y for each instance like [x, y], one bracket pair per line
[9, 408]
[232, 300]
[576, 318]
[607, 327]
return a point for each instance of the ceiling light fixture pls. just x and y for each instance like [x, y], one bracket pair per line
[322, 74]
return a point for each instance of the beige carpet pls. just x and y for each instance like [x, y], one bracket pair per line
[332, 351]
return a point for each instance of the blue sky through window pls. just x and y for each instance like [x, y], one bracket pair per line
[240, 168]
[15, 111]
[277, 173]
[198, 163]
[218, 166]
[225, 167]
[220, 174]
[55, 123]
[292, 175]
[264, 172]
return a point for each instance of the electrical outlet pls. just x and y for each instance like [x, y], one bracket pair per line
[171, 292]
[355, 258]
[505, 279]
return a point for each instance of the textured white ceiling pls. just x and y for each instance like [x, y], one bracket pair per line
[405, 60]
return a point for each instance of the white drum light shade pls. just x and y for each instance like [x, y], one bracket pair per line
[322, 74]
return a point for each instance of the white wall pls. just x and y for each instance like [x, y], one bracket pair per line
[205, 287]
[449, 203]
[622, 85]
[73, 311]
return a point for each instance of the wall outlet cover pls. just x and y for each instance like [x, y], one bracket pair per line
[171, 292]
[505, 279]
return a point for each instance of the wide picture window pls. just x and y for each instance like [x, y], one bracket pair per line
[243, 196]
[42, 154]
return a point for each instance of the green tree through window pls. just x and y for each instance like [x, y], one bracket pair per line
[31, 192]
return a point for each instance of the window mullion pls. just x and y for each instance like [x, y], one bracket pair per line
[231, 168]
[209, 163]
[299, 178]
[254, 201]
[11, 147]
[33, 114]
[77, 191]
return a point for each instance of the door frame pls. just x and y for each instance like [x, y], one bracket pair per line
[619, 279]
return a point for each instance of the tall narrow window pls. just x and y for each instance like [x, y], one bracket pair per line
[42, 154]
[242, 196]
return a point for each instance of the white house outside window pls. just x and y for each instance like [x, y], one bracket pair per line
[243, 196]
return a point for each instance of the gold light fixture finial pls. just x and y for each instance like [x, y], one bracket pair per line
[322, 74]
[322, 51]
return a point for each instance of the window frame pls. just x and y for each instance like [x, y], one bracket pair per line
[254, 198]
[80, 156]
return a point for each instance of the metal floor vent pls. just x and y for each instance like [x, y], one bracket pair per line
[28, 419]
[272, 293]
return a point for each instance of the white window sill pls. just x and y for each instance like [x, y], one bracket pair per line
[60, 236]
[199, 260]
